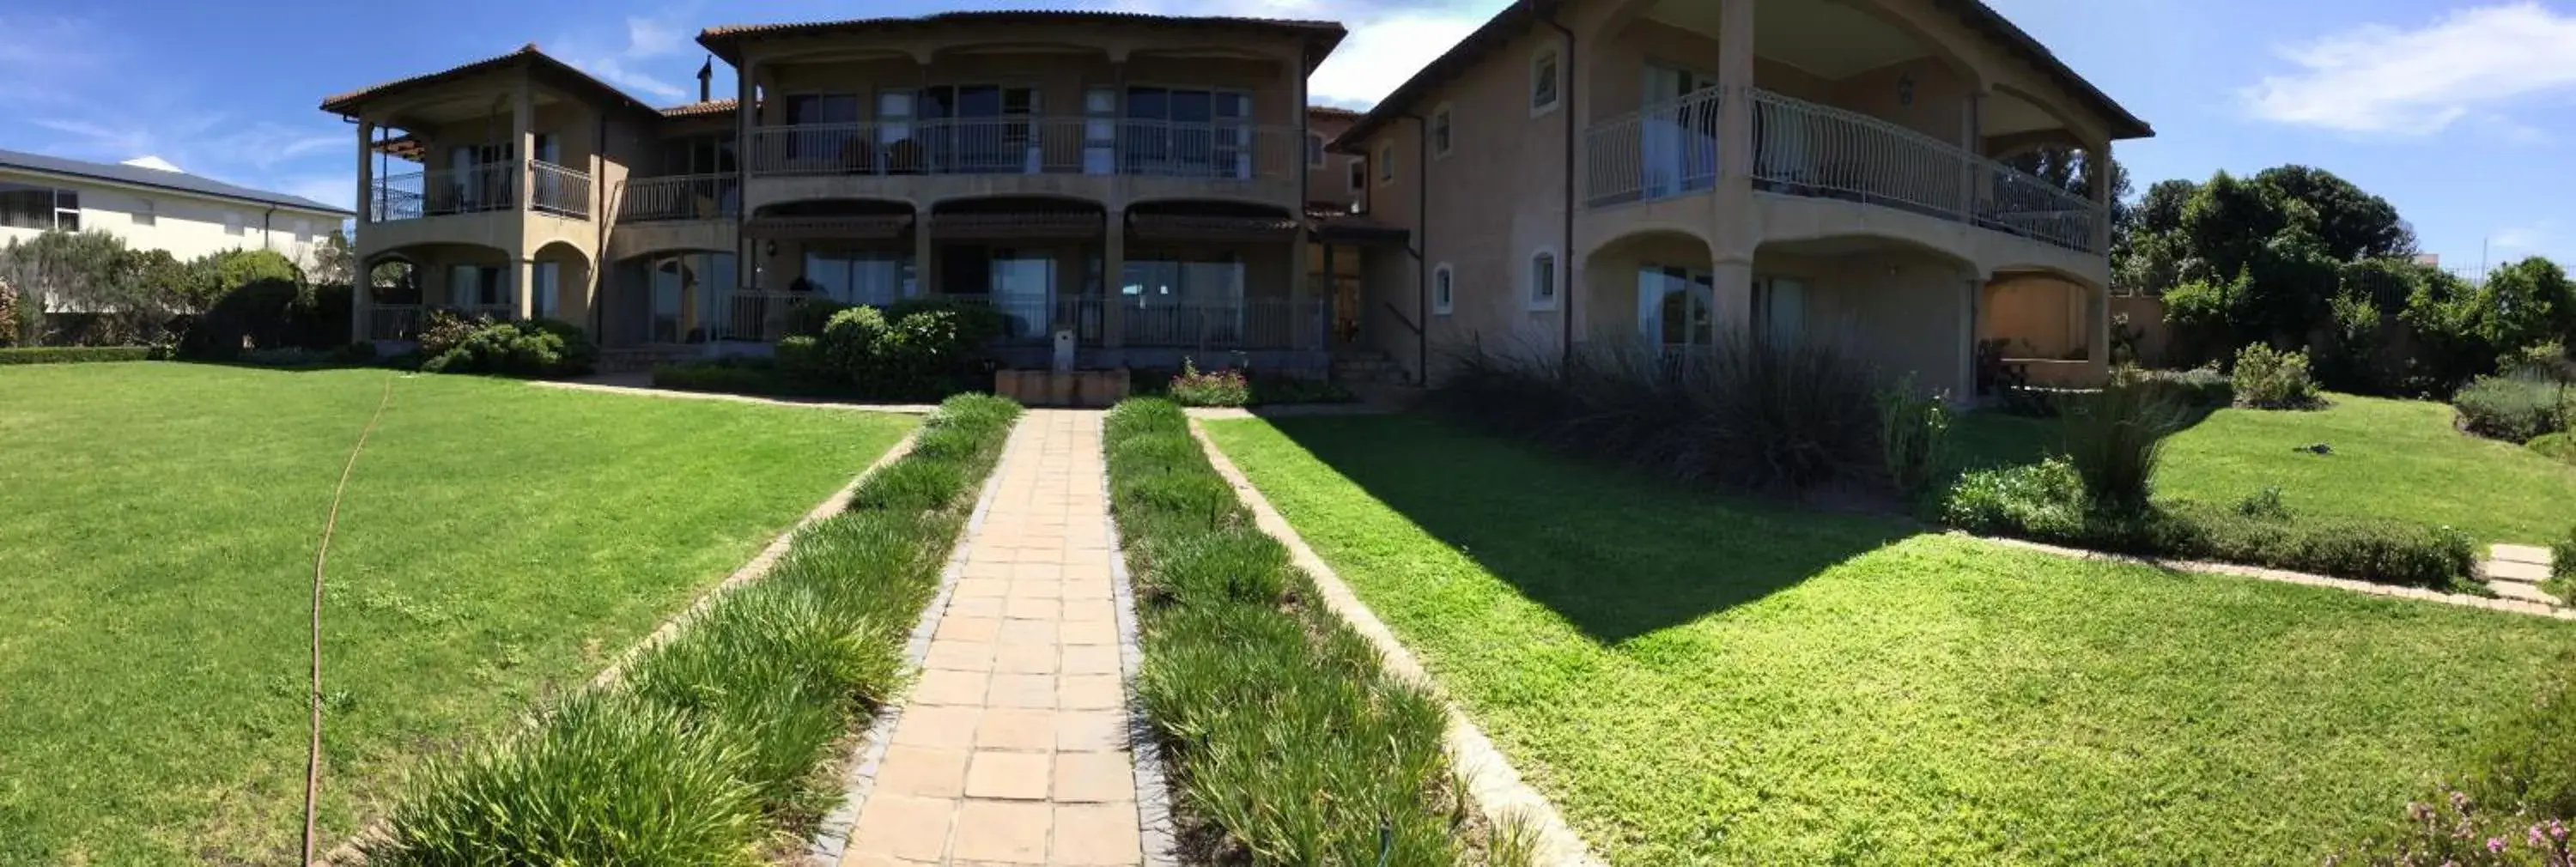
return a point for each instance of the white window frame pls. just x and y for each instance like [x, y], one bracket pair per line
[1386, 162]
[1530, 281]
[145, 213]
[1546, 57]
[1443, 130]
[233, 223]
[1444, 290]
[1315, 150]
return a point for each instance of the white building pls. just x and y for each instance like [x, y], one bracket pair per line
[155, 208]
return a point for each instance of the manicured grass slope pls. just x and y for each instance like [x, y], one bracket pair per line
[1700, 680]
[2392, 459]
[499, 542]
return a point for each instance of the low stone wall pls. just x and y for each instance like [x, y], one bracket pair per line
[1089, 389]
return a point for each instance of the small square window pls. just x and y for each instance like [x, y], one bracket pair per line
[1359, 175]
[1543, 78]
[1542, 281]
[1443, 297]
[233, 223]
[1440, 131]
[1314, 150]
[1386, 163]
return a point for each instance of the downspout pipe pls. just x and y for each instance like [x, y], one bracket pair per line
[1422, 238]
[1568, 292]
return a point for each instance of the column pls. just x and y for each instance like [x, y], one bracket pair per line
[523, 138]
[746, 113]
[1113, 277]
[2097, 171]
[1731, 284]
[525, 286]
[361, 297]
[1972, 138]
[1332, 296]
[1972, 308]
[925, 255]
[2097, 328]
[1301, 319]
[1733, 236]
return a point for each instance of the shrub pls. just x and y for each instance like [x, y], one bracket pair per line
[2516, 407]
[72, 354]
[1914, 438]
[1748, 413]
[2559, 446]
[801, 357]
[807, 317]
[2115, 439]
[534, 348]
[909, 351]
[2268, 378]
[1290, 743]
[1219, 388]
[8, 317]
[2562, 568]
[2046, 502]
[2265, 503]
[2516, 805]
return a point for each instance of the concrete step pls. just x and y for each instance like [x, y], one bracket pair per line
[2519, 553]
[2509, 570]
[2524, 592]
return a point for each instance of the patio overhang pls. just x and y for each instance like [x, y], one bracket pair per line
[1017, 225]
[866, 227]
[1210, 227]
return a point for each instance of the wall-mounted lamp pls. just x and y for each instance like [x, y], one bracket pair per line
[771, 249]
[1905, 90]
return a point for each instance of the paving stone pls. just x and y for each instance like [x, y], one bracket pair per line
[2508, 570]
[1090, 692]
[1028, 659]
[1091, 778]
[1096, 834]
[1008, 775]
[1013, 728]
[1009, 832]
[969, 628]
[938, 726]
[1022, 690]
[901, 826]
[2520, 553]
[921, 771]
[950, 686]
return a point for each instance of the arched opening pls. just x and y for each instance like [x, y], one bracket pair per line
[2037, 326]
[1902, 307]
[559, 284]
[406, 282]
[1653, 288]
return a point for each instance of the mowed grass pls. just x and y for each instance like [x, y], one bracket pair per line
[1701, 680]
[500, 543]
[2391, 459]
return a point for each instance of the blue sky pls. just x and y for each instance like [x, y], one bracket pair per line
[2458, 112]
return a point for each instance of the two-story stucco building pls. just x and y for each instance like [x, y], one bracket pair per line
[1652, 172]
[1141, 181]
[1679, 171]
[155, 209]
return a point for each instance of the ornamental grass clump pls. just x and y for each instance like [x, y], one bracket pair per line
[2115, 439]
[1289, 743]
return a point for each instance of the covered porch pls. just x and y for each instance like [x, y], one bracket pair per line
[553, 282]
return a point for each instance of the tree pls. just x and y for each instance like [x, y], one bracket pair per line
[94, 280]
[333, 261]
[2526, 304]
[2350, 223]
[2070, 169]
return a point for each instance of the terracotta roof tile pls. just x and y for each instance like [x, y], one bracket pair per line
[348, 103]
[701, 109]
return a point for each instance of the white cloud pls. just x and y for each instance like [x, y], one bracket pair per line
[623, 60]
[616, 72]
[2381, 79]
[1389, 41]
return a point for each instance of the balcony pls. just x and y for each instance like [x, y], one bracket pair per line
[681, 197]
[1806, 149]
[479, 189]
[1032, 145]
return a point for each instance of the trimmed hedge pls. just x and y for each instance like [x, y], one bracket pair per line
[2045, 502]
[74, 354]
[707, 751]
[1289, 743]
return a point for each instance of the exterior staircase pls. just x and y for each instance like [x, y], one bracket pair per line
[1366, 367]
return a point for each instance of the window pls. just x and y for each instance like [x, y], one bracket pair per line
[1443, 296]
[859, 277]
[143, 214]
[1314, 150]
[1780, 307]
[1386, 163]
[233, 223]
[544, 282]
[1359, 176]
[1189, 132]
[295, 230]
[479, 286]
[27, 206]
[1543, 96]
[1542, 280]
[1440, 131]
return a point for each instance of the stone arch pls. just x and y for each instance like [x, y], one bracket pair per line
[1609, 308]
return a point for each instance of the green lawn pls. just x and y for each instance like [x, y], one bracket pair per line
[2392, 459]
[499, 542]
[1696, 679]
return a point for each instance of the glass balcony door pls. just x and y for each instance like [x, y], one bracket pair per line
[1678, 130]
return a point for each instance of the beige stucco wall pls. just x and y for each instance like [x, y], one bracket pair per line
[1905, 311]
[1330, 183]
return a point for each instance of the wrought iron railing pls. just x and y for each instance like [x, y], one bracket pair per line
[1256, 323]
[1028, 145]
[680, 197]
[1661, 150]
[393, 322]
[554, 189]
[1807, 149]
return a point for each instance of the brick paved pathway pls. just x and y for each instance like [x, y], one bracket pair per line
[1012, 749]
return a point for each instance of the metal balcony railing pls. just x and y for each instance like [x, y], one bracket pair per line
[1028, 146]
[1807, 149]
[554, 189]
[681, 197]
[481, 188]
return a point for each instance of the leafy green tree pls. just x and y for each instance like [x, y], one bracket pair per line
[2526, 304]
[2350, 223]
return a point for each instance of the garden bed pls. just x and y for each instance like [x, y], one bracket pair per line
[1288, 743]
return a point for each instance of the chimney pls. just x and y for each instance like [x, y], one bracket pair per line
[707, 80]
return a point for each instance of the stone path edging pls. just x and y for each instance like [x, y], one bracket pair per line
[806, 403]
[832, 835]
[1159, 836]
[1493, 785]
[2511, 606]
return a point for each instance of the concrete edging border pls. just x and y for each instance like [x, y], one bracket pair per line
[1156, 834]
[2510, 606]
[832, 835]
[1497, 789]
